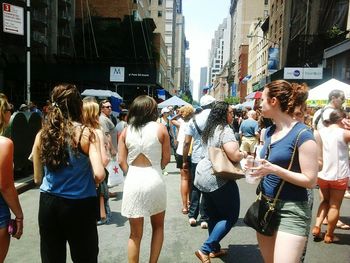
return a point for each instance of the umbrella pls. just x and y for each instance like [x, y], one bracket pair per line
[249, 104]
[254, 95]
[101, 93]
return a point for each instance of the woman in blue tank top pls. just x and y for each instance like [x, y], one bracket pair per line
[70, 156]
[293, 214]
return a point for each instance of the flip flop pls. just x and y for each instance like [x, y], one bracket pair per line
[343, 226]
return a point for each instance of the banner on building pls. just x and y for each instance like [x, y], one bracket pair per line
[273, 60]
[161, 94]
[234, 90]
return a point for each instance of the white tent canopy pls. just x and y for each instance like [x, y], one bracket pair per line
[174, 100]
[322, 91]
[101, 93]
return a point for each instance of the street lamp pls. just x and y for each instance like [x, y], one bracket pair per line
[267, 39]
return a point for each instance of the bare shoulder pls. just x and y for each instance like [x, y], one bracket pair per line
[161, 127]
[5, 142]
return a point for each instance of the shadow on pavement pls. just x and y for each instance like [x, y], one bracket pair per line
[243, 253]
[117, 219]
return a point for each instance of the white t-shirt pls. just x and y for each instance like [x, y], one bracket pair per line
[335, 154]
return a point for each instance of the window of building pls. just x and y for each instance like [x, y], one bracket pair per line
[160, 13]
[135, 1]
[266, 2]
[160, 2]
[168, 27]
[169, 15]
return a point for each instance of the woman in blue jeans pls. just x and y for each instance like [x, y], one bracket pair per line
[221, 196]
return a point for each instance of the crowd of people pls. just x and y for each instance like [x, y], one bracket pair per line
[79, 137]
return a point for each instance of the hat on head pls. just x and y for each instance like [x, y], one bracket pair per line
[23, 107]
[206, 100]
[165, 110]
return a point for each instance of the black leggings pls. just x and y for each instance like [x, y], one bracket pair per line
[64, 220]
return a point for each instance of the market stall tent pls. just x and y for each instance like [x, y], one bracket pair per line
[318, 96]
[174, 100]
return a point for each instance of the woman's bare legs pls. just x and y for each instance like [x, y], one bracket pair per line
[335, 201]
[185, 189]
[323, 207]
[288, 247]
[136, 232]
[157, 222]
[4, 243]
[267, 246]
[102, 208]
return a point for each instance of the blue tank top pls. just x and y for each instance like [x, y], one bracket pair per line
[280, 153]
[74, 181]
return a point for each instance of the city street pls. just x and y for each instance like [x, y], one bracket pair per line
[181, 240]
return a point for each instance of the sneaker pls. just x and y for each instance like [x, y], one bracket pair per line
[204, 225]
[165, 172]
[347, 194]
[102, 222]
[192, 221]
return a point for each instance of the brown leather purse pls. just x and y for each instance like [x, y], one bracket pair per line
[221, 164]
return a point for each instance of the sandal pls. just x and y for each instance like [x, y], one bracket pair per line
[220, 253]
[342, 225]
[328, 239]
[185, 211]
[316, 232]
[202, 257]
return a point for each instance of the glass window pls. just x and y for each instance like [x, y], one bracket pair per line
[160, 13]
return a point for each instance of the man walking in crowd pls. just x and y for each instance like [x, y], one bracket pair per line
[194, 131]
[109, 131]
[249, 132]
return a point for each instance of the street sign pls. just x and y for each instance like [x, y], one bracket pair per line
[117, 74]
[13, 19]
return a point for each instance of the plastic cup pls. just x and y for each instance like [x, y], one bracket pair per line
[249, 178]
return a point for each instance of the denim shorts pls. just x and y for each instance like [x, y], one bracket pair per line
[294, 217]
[4, 214]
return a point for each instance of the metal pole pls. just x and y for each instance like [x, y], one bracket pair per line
[28, 52]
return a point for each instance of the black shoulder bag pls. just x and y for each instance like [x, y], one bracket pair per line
[261, 214]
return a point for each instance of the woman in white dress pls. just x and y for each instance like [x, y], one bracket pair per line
[144, 150]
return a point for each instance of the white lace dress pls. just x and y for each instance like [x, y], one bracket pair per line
[144, 191]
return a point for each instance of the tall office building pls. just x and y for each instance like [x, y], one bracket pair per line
[202, 80]
[219, 51]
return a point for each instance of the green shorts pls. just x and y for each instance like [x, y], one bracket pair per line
[294, 217]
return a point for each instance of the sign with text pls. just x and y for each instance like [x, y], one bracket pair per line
[117, 74]
[303, 73]
[13, 19]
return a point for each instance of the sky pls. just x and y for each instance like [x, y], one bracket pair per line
[202, 18]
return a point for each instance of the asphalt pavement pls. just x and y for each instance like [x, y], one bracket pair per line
[181, 240]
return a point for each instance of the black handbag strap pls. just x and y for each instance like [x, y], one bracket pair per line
[196, 125]
[289, 166]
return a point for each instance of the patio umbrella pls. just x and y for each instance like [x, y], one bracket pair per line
[254, 95]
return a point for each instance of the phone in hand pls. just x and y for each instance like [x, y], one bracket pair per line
[12, 227]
